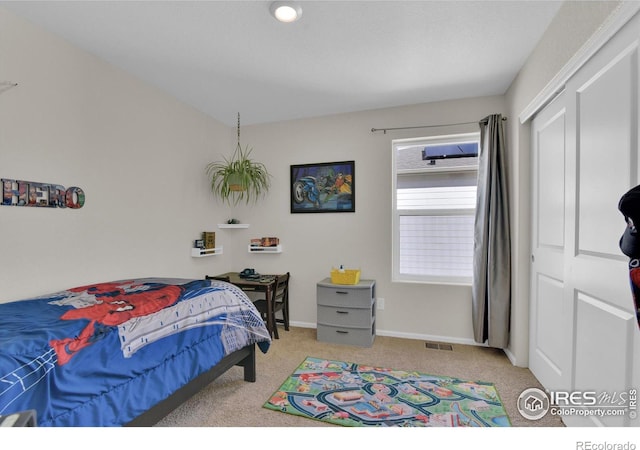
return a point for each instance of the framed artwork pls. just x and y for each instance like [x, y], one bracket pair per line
[323, 187]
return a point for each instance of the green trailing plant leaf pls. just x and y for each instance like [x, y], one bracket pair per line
[239, 178]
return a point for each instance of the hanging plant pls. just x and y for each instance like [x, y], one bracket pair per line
[239, 178]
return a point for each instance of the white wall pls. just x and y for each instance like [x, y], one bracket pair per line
[138, 154]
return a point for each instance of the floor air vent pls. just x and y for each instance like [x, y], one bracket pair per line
[439, 346]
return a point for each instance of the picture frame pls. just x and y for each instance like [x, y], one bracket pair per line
[323, 187]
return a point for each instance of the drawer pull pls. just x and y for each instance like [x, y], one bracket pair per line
[342, 312]
[342, 332]
[342, 292]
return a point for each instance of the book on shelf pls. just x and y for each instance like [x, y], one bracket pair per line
[270, 242]
[265, 242]
[209, 238]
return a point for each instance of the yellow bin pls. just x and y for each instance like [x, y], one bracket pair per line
[349, 276]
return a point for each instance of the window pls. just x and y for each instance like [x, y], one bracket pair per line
[434, 202]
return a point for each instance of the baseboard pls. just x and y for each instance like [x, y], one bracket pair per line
[511, 357]
[429, 337]
[303, 324]
[415, 336]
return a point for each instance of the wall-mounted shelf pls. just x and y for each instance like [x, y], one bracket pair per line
[254, 249]
[233, 225]
[202, 252]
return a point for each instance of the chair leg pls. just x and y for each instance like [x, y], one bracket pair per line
[275, 326]
[285, 314]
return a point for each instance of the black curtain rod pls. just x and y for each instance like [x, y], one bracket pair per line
[373, 130]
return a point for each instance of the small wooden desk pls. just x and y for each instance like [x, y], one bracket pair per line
[255, 286]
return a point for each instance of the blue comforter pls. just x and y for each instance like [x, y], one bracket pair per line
[100, 355]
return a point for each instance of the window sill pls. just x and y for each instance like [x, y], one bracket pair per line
[442, 282]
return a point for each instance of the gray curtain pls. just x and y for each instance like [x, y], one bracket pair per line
[491, 289]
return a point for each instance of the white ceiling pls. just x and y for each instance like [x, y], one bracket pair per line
[225, 57]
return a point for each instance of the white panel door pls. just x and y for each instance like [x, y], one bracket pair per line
[584, 336]
[602, 166]
[550, 330]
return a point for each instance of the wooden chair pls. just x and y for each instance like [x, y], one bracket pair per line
[279, 302]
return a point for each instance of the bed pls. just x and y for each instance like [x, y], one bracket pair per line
[125, 352]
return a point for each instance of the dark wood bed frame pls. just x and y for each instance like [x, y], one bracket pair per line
[245, 357]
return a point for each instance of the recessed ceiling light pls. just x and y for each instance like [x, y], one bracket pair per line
[286, 11]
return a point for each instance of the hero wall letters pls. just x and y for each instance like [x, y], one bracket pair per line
[30, 193]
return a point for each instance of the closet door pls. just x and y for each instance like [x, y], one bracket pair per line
[550, 320]
[602, 165]
[584, 336]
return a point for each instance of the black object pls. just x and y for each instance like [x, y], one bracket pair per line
[629, 206]
[448, 151]
[629, 242]
[249, 274]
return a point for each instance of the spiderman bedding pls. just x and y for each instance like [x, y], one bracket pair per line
[101, 355]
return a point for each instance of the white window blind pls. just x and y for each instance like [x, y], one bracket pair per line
[454, 197]
[439, 246]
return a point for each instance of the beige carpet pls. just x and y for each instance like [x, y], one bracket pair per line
[231, 402]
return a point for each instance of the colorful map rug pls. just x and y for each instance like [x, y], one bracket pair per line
[357, 395]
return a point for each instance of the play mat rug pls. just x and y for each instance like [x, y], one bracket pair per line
[357, 395]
